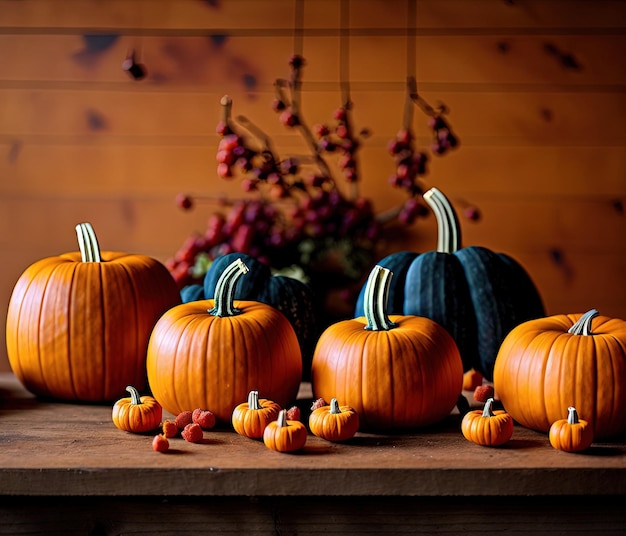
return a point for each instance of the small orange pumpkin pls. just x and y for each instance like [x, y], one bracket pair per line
[334, 422]
[363, 360]
[137, 413]
[212, 353]
[283, 435]
[571, 434]
[487, 427]
[250, 418]
[78, 324]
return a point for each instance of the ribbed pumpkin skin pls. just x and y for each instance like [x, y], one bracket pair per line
[79, 331]
[290, 296]
[406, 377]
[197, 360]
[541, 369]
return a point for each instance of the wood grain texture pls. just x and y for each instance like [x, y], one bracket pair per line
[536, 92]
[60, 449]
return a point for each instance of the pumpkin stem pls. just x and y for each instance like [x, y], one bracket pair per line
[334, 406]
[88, 243]
[583, 325]
[253, 400]
[572, 415]
[282, 418]
[448, 228]
[375, 300]
[135, 398]
[225, 289]
[487, 411]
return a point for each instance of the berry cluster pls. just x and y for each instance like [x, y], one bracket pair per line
[294, 210]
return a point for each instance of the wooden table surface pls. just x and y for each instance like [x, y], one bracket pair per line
[57, 448]
[65, 469]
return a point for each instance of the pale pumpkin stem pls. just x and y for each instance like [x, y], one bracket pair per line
[88, 243]
[225, 289]
[253, 400]
[448, 228]
[375, 299]
[572, 415]
[135, 398]
[282, 418]
[487, 411]
[583, 325]
[334, 406]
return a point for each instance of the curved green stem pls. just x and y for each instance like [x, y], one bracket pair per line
[375, 300]
[88, 243]
[334, 406]
[487, 411]
[572, 415]
[583, 325]
[135, 398]
[225, 289]
[448, 228]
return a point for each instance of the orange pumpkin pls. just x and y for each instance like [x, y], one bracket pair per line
[487, 427]
[395, 371]
[78, 324]
[548, 364]
[250, 418]
[571, 434]
[334, 422]
[137, 413]
[283, 435]
[212, 353]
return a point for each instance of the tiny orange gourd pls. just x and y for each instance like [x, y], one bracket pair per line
[334, 422]
[487, 427]
[250, 418]
[283, 435]
[137, 413]
[572, 434]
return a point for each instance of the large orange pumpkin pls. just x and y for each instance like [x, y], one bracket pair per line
[546, 365]
[78, 324]
[212, 353]
[396, 371]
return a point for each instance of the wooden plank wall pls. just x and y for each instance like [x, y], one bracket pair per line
[536, 89]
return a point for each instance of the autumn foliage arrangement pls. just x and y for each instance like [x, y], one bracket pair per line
[295, 214]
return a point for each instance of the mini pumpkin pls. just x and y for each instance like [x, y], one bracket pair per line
[571, 434]
[137, 413]
[212, 353]
[396, 371]
[487, 427]
[78, 324]
[283, 435]
[334, 422]
[250, 418]
[575, 360]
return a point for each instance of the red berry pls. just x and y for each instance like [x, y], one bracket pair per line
[192, 433]
[483, 392]
[183, 419]
[293, 413]
[184, 201]
[160, 443]
[203, 417]
[319, 403]
[169, 429]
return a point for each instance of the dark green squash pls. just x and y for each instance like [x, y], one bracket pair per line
[476, 294]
